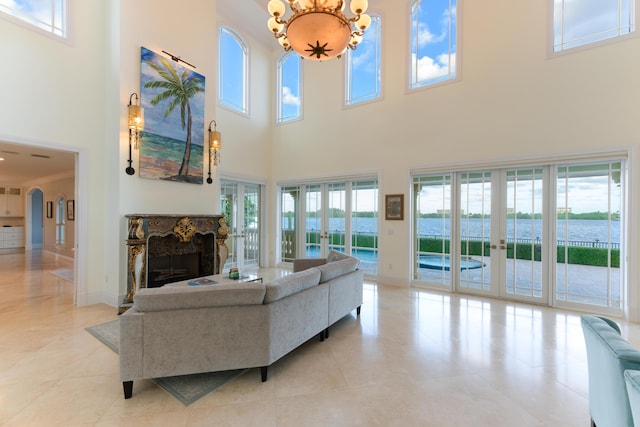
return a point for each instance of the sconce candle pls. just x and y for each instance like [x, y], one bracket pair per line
[136, 124]
[215, 145]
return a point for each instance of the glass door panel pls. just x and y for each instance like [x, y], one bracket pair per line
[523, 230]
[290, 224]
[313, 220]
[335, 236]
[364, 224]
[475, 225]
[229, 208]
[589, 232]
[432, 229]
[240, 204]
[251, 224]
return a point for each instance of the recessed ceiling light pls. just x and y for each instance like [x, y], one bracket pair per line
[1, 159]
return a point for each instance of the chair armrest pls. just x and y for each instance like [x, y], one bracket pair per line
[304, 263]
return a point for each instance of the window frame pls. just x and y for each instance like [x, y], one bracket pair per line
[24, 20]
[279, 119]
[415, 87]
[348, 102]
[551, 52]
[240, 109]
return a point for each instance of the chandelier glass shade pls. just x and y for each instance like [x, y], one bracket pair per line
[318, 29]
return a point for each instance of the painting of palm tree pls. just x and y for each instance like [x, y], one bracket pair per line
[172, 95]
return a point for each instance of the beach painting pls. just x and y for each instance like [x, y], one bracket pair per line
[171, 144]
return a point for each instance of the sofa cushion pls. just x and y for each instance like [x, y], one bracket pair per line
[333, 256]
[291, 284]
[331, 270]
[180, 297]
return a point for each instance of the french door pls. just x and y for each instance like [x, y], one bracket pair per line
[552, 234]
[318, 217]
[502, 234]
[325, 219]
[240, 202]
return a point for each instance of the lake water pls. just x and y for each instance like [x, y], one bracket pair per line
[572, 230]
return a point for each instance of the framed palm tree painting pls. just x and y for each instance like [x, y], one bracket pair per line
[171, 144]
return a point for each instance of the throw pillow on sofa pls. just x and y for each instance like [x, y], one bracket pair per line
[333, 256]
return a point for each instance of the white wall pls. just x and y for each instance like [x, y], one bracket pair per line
[54, 95]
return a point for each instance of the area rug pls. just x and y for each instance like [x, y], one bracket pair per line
[186, 388]
[64, 274]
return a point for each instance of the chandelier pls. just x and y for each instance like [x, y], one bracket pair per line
[318, 29]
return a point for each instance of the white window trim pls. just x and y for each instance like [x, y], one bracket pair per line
[459, 55]
[67, 38]
[278, 98]
[246, 77]
[345, 88]
[550, 53]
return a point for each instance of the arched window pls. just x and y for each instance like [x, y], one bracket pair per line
[47, 15]
[233, 71]
[433, 42]
[60, 219]
[363, 66]
[289, 97]
[577, 23]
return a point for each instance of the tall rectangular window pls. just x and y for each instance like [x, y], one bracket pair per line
[433, 41]
[47, 15]
[580, 22]
[289, 84]
[363, 66]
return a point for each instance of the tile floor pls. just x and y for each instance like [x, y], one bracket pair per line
[412, 358]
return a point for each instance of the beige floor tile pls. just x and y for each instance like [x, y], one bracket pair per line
[413, 357]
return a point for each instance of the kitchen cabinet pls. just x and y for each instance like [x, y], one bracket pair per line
[11, 237]
[11, 202]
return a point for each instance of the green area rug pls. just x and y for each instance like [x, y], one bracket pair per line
[186, 388]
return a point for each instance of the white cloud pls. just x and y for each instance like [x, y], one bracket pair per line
[288, 97]
[428, 68]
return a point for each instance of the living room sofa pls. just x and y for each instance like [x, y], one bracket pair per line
[180, 330]
[608, 356]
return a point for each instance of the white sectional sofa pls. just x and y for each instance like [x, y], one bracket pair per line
[193, 329]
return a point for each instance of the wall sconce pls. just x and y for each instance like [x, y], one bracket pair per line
[136, 124]
[215, 145]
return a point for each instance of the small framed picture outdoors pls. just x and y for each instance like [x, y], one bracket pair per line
[71, 210]
[394, 206]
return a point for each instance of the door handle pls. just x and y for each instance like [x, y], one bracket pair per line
[496, 247]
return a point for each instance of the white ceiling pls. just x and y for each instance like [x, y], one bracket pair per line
[23, 163]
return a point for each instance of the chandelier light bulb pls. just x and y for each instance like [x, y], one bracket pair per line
[274, 25]
[364, 22]
[275, 8]
[359, 6]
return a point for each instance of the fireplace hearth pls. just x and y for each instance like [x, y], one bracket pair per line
[169, 248]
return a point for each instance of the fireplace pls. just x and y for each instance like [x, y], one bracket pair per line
[169, 248]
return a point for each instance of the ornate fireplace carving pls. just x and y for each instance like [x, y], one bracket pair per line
[166, 248]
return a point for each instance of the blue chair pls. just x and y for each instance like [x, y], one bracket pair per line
[632, 378]
[608, 356]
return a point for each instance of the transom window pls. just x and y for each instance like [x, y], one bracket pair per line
[581, 22]
[289, 97]
[47, 15]
[363, 67]
[232, 83]
[433, 42]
